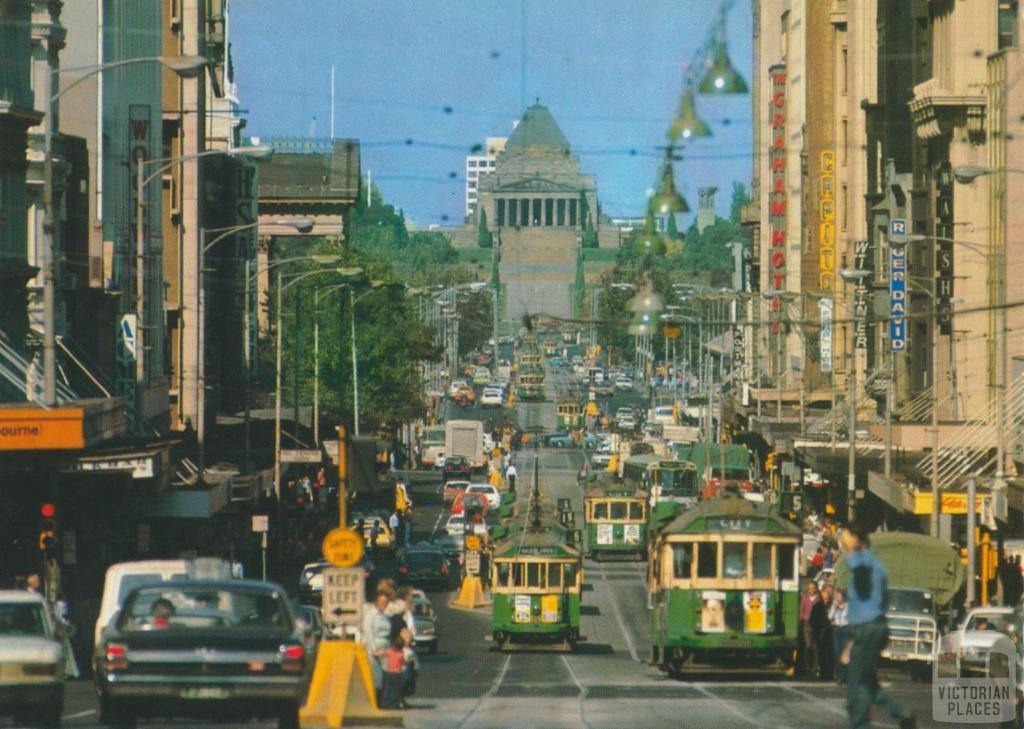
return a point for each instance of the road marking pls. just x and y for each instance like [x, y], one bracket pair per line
[583, 691]
[811, 697]
[728, 706]
[622, 623]
[79, 714]
[490, 692]
[437, 523]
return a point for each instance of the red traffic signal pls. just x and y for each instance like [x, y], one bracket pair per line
[48, 510]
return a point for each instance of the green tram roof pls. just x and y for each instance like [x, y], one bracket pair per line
[731, 515]
[542, 541]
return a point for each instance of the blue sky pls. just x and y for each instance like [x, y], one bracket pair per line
[610, 71]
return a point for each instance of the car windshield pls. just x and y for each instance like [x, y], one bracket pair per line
[22, 619]
[911, 601]
[988, 621]
[201, 607]
[130, 582]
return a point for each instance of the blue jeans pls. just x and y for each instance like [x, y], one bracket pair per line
[862, 689]
[838, 643]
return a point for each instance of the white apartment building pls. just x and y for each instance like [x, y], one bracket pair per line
[481, 164]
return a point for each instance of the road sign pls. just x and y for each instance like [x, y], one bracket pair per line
[128, 329]
[342, 547]
[300, 456]
[472, 542]
[472, 563]
[260, 523]
[343, 595]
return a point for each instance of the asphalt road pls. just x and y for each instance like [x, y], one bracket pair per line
[605, 683]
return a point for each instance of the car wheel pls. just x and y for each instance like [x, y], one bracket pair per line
[288, 718]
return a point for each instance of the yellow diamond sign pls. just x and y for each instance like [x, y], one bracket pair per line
[343, 547]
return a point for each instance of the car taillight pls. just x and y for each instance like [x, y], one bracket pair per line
[116, 657]
[444, 570]
[292, 657]
[404, 570]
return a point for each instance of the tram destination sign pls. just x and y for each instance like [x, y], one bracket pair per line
[734, 524]
[540, 551]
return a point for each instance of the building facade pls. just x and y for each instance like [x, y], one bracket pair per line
[478, 165]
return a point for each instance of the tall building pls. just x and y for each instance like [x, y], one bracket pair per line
[538, 204]
[481, 164]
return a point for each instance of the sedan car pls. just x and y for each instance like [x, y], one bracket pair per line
[31, 661]
[424, 566]
[452, 489]
[488, 491]
[456, 386]
[491, 397]
[552, 439]
[455, 467]
[624, 384]
[203, 648]
[428, 630]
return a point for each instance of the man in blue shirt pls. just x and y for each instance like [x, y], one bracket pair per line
[867, 633]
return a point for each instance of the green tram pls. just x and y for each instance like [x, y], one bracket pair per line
[530, 386]
[665, 479]
[536, 585]
[570, 415]
[615, 520]
[723, 582]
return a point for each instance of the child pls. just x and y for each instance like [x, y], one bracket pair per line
[394, 673]
[412, 666]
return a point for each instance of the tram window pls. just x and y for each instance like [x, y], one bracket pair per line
[534, 574]
[517, 574]
[682, 561]
[554, 575]
[618, 510]
[570, 575]
[786, 552]
[503, 571]
[636, 511]
[601, 510]
[707, 559]
[734, 560]
[762, 560]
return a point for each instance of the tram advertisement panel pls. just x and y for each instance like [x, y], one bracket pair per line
[604, 533]
[712, 614]
[631, 533]
[754, 612]
[523, 604]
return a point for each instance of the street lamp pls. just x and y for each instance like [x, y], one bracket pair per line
[852, 275]
[184, 66]
[300, 225]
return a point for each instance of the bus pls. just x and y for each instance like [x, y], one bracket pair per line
[431, 445]
[666, 480]
[723, 584]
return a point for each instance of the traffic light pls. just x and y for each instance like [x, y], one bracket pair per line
[48, 528]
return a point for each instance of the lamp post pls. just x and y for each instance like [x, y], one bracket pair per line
[302, 225]
[181, 65]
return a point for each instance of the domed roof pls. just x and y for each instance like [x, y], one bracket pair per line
[537, 128]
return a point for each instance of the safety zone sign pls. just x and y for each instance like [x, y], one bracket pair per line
[343, 595]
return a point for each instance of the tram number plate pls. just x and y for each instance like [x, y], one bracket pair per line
[523, 608]
[604, 533]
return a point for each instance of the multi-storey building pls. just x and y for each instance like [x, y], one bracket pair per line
[481, 164]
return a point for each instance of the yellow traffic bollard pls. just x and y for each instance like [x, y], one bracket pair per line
[342, 689]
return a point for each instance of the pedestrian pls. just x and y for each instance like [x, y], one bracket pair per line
[807, 646]
[395, 524]
[361, 528]
[394, 670]
[837, 616]
[821, 630]
[407, 526]
[374, 535]
[867, 633]
[510, 475]
[377, 632]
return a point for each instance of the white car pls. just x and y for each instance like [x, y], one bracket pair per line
[33, 659]
[456, 526]
[491, 397]
[490, 492]
[625, 422]
[456, 387]
[602, 456]
[623, 383]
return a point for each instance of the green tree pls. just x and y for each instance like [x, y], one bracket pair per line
[740, 197]
[483, 235]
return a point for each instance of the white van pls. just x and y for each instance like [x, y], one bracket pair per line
[124, 577]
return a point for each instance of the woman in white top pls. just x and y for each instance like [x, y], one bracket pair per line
[837, 616]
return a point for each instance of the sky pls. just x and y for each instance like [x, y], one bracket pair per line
[448, 73]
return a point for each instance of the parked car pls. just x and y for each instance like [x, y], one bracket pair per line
[488, 491]
[455, 467]
[491, 397]
[451, 490]
[428, 630]
[624, 383]
[425, 567]
[31, 661]
[158, 656]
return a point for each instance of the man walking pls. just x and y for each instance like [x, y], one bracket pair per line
[395, 524]
[866, 633]
[510, 474]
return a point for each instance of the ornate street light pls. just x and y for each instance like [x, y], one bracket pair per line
[687, 123]
[667, 200]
